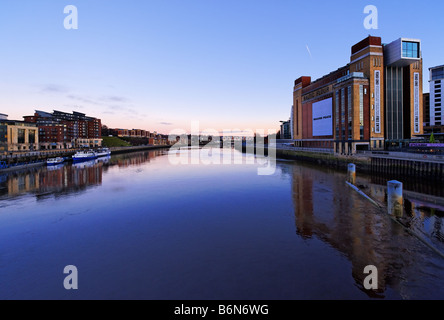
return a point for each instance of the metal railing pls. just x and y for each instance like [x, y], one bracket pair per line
[28, 154]
[403, 155]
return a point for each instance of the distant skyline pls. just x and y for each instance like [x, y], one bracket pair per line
[159, 65]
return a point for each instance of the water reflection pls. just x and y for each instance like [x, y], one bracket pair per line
[326, 209]
[224, 232]
[414, 184]
[67, 178]
[135, 159]
[423, 212]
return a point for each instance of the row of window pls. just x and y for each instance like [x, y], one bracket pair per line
[410, 49]
[361, 112]
[21, 133]
[377, 62]
[359, 66]
[347, 130]
[438, 74]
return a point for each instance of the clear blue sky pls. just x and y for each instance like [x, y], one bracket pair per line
[158, 65]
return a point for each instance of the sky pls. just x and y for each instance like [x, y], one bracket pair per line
[158, 65]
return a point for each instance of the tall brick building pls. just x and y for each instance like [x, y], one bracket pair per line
[61, 130]
[375, 98]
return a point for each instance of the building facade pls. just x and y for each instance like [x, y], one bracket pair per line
[18, 136]
[286, 130]
[436, 86]
[376, 97]
[134, 133]
[426, 108]
[61, 130]
[403, 76]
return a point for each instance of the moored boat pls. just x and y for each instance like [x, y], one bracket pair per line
[55, 161]
[103, 152]
[84, 156]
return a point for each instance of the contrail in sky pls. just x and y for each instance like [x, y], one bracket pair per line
[309, 52]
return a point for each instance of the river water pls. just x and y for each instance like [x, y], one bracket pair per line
[138, 227]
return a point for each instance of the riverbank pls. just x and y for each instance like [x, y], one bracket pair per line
[363, 164]
[120, 150]
[392, 164]
[22, 161]
[387, 163]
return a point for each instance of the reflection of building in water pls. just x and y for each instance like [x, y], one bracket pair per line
[22, 183]
[423, 210]
[57, 179]
[71, 178]
[419, 185]
[67, 178]
[325, 209]
[126, 160]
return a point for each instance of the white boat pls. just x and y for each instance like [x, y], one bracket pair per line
[84, 156]
[84, 164]
[55, 161]
[103, 152]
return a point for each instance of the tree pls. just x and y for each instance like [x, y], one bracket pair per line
[432, 138]
[105, 131]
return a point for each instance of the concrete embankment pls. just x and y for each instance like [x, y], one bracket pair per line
[395, 165]
[120, 150]
[387, 163]
[363, 164]
[35, 156]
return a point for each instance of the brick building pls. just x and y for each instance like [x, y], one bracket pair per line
[61, 130]
[375, 98]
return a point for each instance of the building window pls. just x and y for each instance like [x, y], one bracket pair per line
[350, 113]
[410, 49]
[337, 114]
[361, 111]
[343, 113]
[297, 118]
[31, 136]
[21, 136]
[438, 74]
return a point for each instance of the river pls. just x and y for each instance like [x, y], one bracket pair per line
[138, 227]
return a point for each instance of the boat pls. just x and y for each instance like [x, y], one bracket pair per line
[55, 167]
[85, 164]
[55, 161]
[84, 156]
[103, 152]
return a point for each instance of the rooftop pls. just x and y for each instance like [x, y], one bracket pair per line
[369, 41]
[437, 67]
